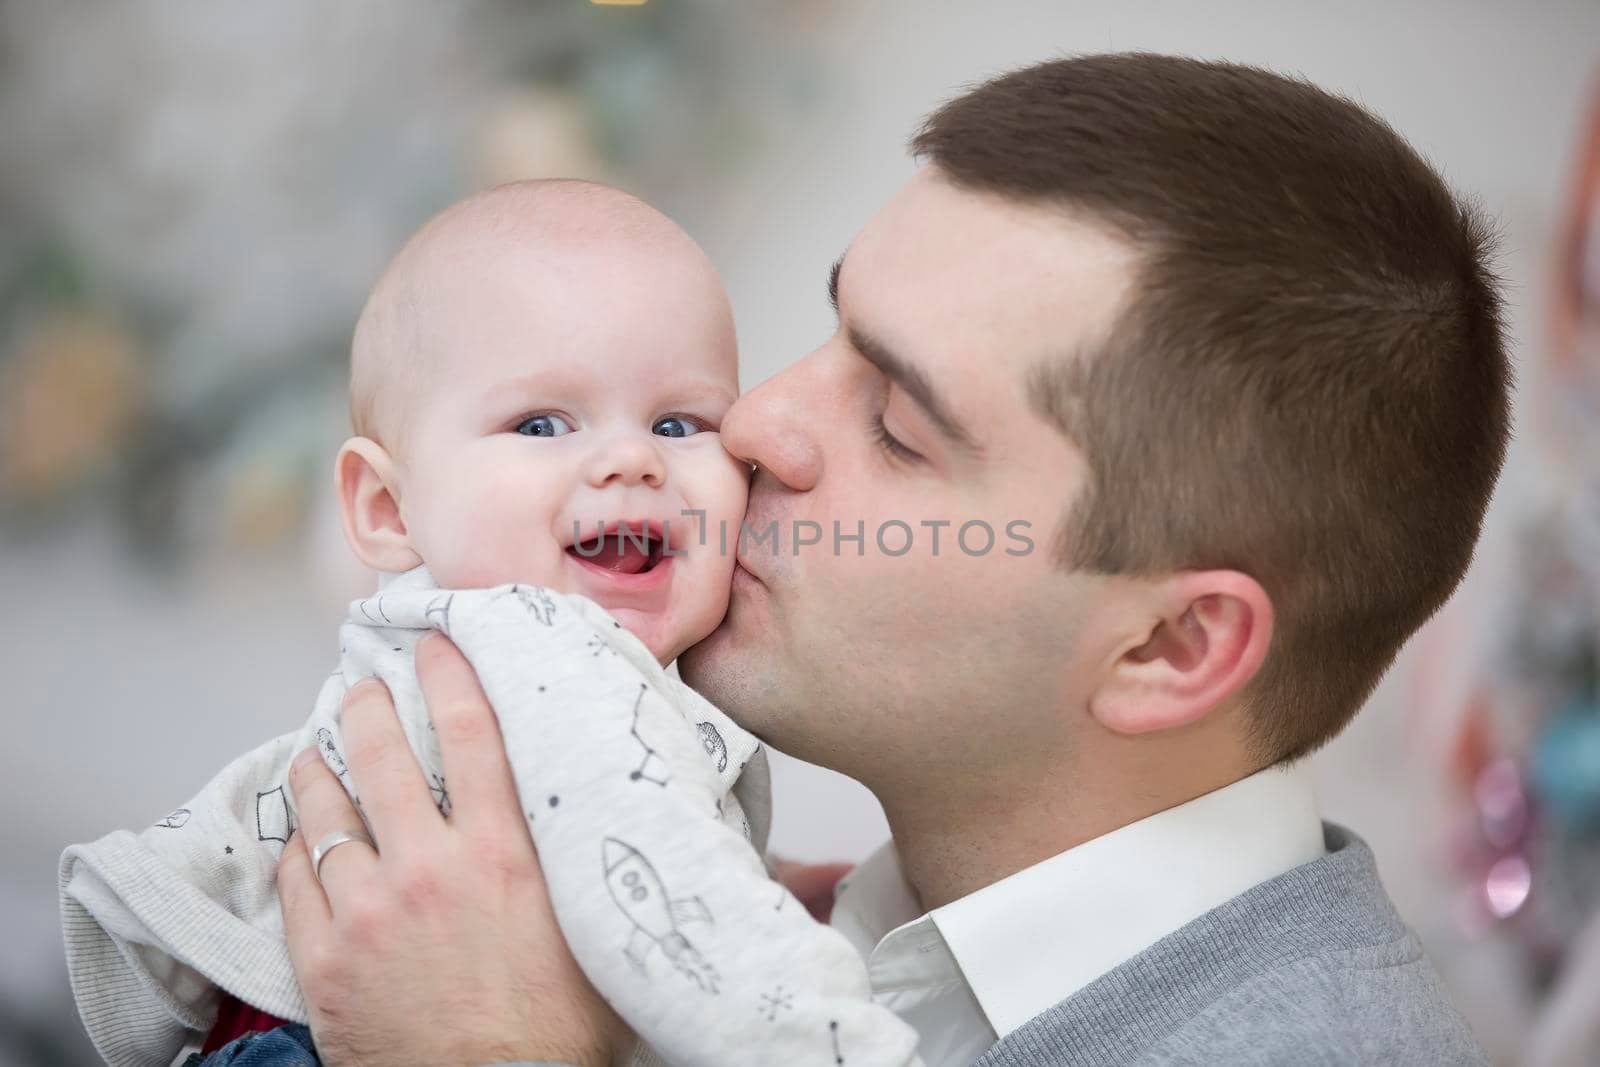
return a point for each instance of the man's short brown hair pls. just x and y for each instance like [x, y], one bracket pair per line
[1310, 382]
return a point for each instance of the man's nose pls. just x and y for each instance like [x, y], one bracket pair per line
[775, 427]
[626, 459]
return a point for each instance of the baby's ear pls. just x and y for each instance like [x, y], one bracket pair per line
[369, 505]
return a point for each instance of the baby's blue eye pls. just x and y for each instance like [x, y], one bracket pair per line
[544, 426]
[673, 426]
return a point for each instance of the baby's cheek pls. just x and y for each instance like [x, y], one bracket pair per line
[490, 533]
[721, 487]
[478, 551]
[720, 492]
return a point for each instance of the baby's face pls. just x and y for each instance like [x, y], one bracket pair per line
[569, 391]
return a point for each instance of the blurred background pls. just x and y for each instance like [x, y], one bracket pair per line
[194, 199]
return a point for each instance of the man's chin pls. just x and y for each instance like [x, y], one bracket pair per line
[722, 668]
[698, 663]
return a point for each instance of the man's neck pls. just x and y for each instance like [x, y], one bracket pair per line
[963, 839]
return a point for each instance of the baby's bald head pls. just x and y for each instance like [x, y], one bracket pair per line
[408, 334]
[539, 360]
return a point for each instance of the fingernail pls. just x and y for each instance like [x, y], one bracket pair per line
[362, 686]
[303, 757]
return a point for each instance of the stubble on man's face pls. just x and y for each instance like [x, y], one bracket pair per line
[928, 662]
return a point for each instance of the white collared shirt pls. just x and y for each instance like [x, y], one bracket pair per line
[971, 972]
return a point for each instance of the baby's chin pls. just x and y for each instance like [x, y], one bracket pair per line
[649, 628]
[658, 616]
[662, 633]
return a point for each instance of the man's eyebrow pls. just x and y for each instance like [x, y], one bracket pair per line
[833, 284]
[917, 386]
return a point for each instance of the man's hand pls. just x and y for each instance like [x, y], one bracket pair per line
[441, 947]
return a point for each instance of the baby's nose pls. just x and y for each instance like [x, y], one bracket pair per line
[627, 459]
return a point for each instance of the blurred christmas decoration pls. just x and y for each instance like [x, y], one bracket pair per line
[215, 199]
[1527, 758]
[538, 131]
[69, 393]
[1575, 311]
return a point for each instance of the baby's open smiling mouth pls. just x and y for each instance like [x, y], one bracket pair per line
[624, 549]
[620, 554]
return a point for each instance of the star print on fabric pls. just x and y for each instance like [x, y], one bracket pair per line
[776, 1001]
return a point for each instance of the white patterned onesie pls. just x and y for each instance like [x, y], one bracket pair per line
[648, 805]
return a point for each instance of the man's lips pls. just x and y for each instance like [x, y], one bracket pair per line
[743, 571]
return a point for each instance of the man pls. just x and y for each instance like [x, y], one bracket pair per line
[1228, 355]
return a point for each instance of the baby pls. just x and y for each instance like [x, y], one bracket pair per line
[537, 381]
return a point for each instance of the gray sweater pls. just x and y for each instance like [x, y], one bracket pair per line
[1312, 967]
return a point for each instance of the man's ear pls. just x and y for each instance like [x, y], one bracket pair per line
[369, 506]
[1210, 636]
